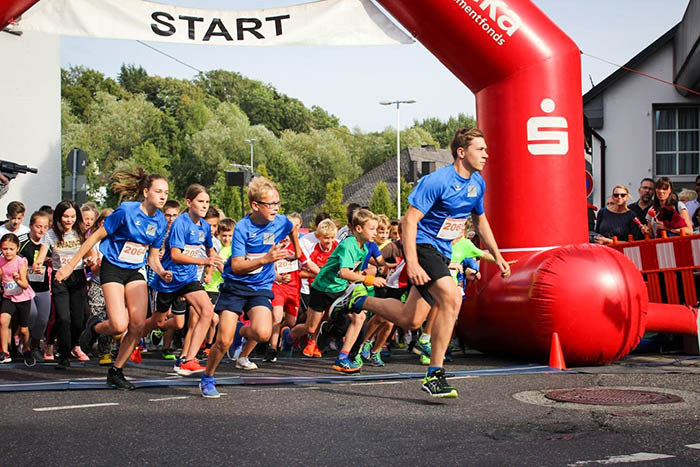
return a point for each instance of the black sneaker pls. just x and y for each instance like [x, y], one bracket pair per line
[29, 358]
[89, 336]
[104, 344]
[116, 379]
[38, 355]
[270, 355]
[63, 363]
[436, 385]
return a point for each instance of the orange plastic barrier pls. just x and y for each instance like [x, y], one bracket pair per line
[665, 257]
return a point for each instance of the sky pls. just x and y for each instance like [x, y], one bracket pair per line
[349, 82]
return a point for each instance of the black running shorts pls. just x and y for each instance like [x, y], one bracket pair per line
[435, 264]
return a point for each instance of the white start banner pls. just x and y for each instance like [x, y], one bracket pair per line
[326, 22]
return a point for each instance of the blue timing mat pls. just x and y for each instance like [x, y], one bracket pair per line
[99, 383]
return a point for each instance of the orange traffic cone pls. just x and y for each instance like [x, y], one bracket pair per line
[556, 356]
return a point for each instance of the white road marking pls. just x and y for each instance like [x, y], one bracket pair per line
[169, 399]
[450, 378]
[376, 383]
[637, 457]
[693, 446]
[71, 407]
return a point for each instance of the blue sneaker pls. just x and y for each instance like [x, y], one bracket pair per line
[346, 365]
[178, 362]
[422, 348]
[287, 344]
[366, 350]
[208, 388]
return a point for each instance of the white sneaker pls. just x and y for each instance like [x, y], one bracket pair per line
[244, 364]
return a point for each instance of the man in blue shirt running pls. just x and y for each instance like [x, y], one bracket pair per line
[439, 207]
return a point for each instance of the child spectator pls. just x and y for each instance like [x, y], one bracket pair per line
[40, 310]
[15, 217]
[69, 295]
[90, 214]
[17, 296]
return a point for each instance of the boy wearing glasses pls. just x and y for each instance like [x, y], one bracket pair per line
[248, 277]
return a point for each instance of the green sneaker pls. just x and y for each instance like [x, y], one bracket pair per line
[358, 360]
[436, 385]
[376, 359]
[424, 360]
[168, 355]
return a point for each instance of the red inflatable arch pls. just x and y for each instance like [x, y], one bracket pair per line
[526, 75]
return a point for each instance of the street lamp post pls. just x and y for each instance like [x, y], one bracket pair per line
[251, 141]
[398, 150]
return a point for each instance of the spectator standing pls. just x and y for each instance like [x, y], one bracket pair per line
[646, 195]
[617, 220]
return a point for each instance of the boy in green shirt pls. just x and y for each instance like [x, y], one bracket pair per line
[332, 285]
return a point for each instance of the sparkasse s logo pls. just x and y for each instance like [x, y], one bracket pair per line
[544, 135]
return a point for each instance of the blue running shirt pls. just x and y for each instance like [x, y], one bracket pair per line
[188, 237]
[253, 241]
[446, 199]
[131, 233]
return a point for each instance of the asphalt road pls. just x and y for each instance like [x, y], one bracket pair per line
[497, 419]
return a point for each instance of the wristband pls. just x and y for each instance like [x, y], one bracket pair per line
[369, 281]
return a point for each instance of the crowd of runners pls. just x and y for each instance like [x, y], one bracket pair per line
[196, 286]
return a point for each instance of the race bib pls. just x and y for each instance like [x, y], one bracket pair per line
[284, 267]
[451, 228]
[253, 257]
[133, 253]
[11, 288]
[33, 277]
[193, 251]
[65, 258]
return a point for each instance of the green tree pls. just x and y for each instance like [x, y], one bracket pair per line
[80, 85]
[116, 131]
[227, 198]
[405, 191]
[443, 132]
[381, 201]
[334, 201]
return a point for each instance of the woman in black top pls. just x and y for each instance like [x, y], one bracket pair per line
[617, 220]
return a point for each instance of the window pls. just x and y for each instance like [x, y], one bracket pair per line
[677, 140]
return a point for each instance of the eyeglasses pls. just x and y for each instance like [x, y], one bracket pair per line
[619, 195]
[274, 204]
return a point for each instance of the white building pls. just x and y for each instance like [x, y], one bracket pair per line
[643, 127]
[30, 123]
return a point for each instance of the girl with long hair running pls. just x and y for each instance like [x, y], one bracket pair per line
[129, 237]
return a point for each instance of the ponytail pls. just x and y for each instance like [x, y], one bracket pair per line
[130, 185]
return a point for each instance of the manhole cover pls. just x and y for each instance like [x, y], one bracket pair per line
[612, 397]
